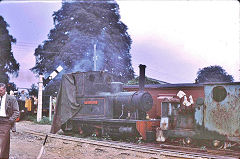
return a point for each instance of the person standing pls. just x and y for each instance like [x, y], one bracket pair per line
[9, 111]
[22, 100]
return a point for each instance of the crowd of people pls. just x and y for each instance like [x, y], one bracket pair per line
[28, 103]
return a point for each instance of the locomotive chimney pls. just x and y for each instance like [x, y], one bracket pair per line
[141, 77]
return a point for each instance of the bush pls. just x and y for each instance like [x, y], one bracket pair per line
[33, 118]
[29, 117]
[44, 121]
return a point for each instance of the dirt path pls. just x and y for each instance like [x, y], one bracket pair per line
[25, 146]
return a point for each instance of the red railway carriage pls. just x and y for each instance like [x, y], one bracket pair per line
[206, 112]
[163, 92]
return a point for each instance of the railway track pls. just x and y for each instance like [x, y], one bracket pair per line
[156, 150]
[229, 153]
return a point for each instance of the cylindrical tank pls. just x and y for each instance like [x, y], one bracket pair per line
[133, 100]
[123, 99]
[142, 100]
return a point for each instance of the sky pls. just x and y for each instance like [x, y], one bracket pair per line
[174, 39]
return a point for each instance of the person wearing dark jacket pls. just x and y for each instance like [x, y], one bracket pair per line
[9, 111]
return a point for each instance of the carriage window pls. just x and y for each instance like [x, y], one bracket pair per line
[219, 93]
[165, 109]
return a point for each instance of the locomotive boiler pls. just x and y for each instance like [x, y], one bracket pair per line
[94, 102]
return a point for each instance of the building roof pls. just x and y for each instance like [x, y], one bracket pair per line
[168, 85]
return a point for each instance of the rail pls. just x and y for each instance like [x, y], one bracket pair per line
[180, 153]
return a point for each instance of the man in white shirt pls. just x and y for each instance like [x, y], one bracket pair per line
[9, 111]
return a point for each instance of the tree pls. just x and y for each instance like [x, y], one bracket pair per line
[81, 29]
[213, 74]
[148, 80]
[11, 86]
[8, 64]
[33, 90]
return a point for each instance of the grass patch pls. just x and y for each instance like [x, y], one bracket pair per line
[30, 117]
[44, 121]
[33, 118]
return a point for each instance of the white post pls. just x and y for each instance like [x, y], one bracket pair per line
[40, 89]
[50, 108]
[95, 57]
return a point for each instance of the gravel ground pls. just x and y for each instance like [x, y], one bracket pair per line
[25, 146]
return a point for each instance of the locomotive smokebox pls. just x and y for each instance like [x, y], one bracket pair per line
[141, 77]
[132, 101]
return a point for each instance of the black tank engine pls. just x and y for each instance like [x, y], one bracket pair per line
[105, 108]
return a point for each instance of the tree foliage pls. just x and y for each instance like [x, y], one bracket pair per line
[213, 74]
[11, 86]
[33, 90]
[82, 29]
[148, 80]
[8, 64]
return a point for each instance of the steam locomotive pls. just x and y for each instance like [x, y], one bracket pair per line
[95, 102]
[90, 102]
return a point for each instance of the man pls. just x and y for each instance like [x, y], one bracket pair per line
[9, 111]
[22, 100]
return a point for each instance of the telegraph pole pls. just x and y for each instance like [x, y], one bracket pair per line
[50, 108]
[95, 57]
[40, 90]
[43, 82]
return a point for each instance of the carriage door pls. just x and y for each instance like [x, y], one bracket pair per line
[169, 107]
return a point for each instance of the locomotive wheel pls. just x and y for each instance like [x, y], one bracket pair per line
[218, 144]
[234, 146]
[85, 131]
[65, 130]
[98, 132]
[80, 131]
[187, 141]
[229, 145]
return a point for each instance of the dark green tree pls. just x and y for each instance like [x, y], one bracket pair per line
[83, 29]
[148, 80]
[11, 86]
[33, 90]
[8, 64]
[213, 74]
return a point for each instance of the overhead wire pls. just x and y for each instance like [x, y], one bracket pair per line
[24, 45]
